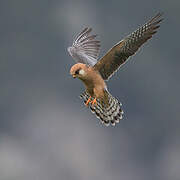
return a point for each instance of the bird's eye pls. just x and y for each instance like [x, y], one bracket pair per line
[77, 71]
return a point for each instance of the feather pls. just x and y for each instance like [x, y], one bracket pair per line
[108, 113]
[85, 48]
[127, 47]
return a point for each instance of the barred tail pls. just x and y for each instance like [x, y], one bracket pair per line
[108, 113]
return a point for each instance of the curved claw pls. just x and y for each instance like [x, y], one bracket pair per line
[88, 101]
[94, 102]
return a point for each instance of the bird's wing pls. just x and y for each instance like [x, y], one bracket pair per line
[118, 55]
[85, 48]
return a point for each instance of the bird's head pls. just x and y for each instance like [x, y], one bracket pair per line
[79, 70]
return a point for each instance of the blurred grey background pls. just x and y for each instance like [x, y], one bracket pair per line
[45, 130]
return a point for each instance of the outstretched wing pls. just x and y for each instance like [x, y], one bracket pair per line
[118, 55]
[85, 48]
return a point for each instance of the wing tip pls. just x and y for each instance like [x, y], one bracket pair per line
[156, 19]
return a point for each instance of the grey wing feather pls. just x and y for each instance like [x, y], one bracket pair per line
[85, 48]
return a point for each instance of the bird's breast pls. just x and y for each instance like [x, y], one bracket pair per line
[94, 82]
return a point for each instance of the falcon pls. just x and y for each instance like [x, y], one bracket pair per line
[93, 73]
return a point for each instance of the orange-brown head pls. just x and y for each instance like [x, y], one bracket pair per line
[79, 70]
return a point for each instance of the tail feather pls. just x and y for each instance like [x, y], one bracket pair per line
[108, 113]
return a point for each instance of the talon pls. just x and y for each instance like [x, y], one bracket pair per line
[88, 101]
[94, 102]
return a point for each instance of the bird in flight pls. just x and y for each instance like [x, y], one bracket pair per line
[93, 73]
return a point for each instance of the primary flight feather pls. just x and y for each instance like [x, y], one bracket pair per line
[93, 73]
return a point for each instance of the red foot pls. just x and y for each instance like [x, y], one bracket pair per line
[88, 101]
[94, 102]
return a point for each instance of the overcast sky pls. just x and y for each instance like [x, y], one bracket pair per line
[45, 130]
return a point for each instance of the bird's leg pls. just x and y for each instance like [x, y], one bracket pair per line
[88, 101]
[94, 102]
